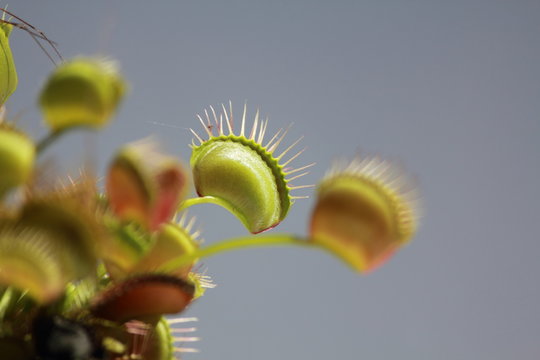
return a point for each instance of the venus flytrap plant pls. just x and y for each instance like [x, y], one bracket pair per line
[17, 154]
[143, 297]
[48, 242]
[171, 241]
[31, 261]
[366, 209]
[145, 185]
[83, 92]
[87, 274]
[241, 174]
[75, 243]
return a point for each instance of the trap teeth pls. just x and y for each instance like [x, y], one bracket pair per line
[239, 173]
[31, 261]
[73, 229]
[363, 214]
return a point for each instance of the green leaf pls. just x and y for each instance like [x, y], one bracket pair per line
[8, 73]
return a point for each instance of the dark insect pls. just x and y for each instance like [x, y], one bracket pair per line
[58, 338]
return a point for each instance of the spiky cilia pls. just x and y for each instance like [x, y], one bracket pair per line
[241, 174]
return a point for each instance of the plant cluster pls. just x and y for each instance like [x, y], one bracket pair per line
[90, 271]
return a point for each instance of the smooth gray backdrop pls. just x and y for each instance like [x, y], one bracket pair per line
[449, 88]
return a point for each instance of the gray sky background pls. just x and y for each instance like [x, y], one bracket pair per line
[449, 88]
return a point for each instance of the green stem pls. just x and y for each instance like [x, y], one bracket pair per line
[48, 140]
[54, 135]
[233, 244]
